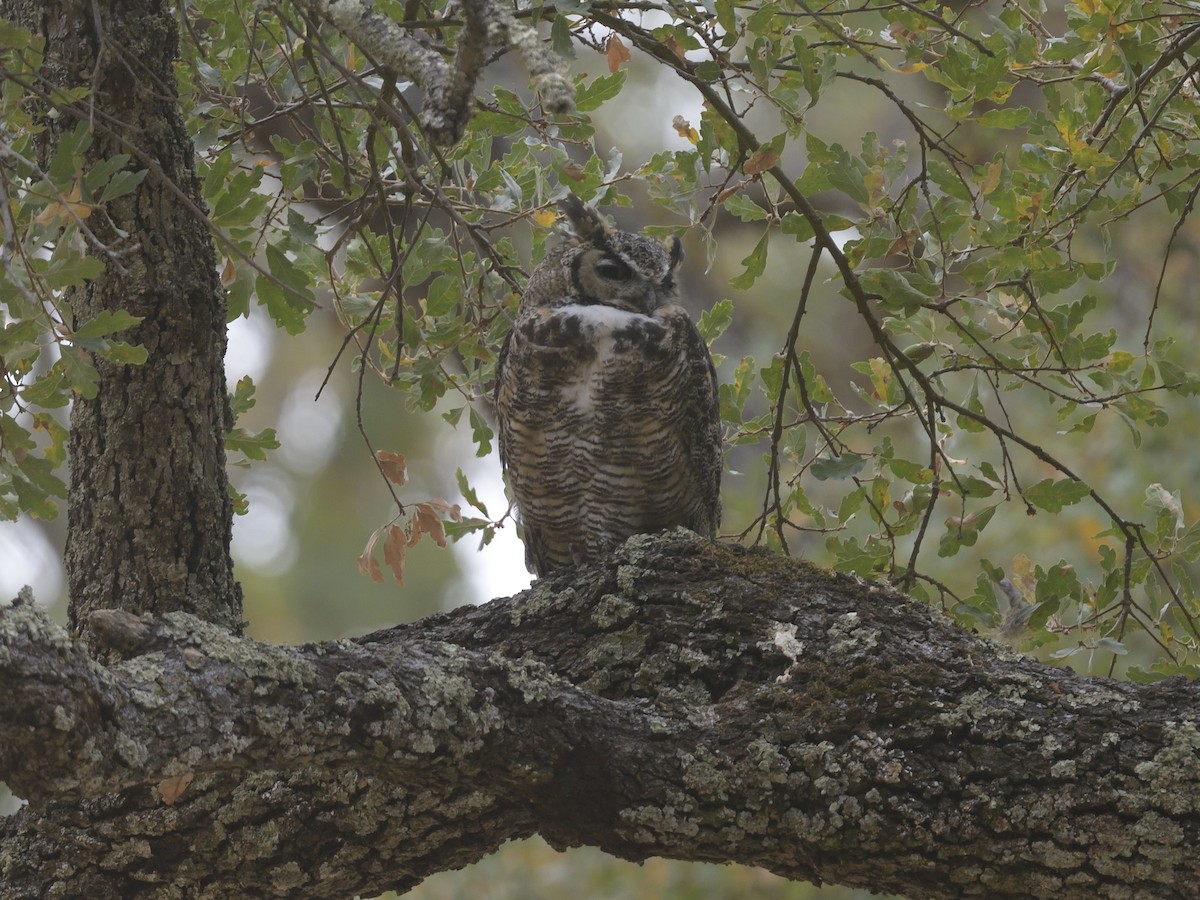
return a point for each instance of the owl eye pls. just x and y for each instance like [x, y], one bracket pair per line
[612, 269]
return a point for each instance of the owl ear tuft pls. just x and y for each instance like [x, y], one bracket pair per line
[674, 247]
[585, 221]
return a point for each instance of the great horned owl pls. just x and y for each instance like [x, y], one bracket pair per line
[606, 398]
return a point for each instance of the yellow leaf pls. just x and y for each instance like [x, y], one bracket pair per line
[875, 183]
[908, 69]
[685, 130]
[544, 217]
[1121, 361]
[1021, 575]
[991, 177]
[881, 373]
[65, 208]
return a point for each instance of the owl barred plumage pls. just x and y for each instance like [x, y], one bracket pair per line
[607, 399]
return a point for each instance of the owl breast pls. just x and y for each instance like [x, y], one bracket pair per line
[608, 341]
[602, 430]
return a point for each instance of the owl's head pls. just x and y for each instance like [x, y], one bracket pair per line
[614, 268]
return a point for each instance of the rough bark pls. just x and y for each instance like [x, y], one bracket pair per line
[687, 699]
[150, 515]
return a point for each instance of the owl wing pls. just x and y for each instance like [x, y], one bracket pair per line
[701, 435]
[512, 370]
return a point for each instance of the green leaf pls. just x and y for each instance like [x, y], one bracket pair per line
[838, 467]
[253, 446]
[241, 504]
[48, 391]
[591, 95]
[481, 433]
[1052, 495]
[1012, 117]
[123, 354]
[66, 271]
[106, 323]
[79, 371]
[444, 295]
[895, 289]
[755, 264]
[121, 184]
[963, 531]
[911, 471]
[745, 208]
[713, 322]
[468, 492]
[242, 399]
[288, 298]
[560, 37]
[797, 226]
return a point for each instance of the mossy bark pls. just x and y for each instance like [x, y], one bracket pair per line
[687, 699]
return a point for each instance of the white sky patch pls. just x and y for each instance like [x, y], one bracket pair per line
[308, 430]
[28, 558]
[263, 539]
[498, 569]
[250, 346]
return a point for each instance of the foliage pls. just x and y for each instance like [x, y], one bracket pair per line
[51, 211]
[976, 251]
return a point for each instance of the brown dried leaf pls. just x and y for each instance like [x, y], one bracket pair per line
[574, 171]
[616, 53]
[393, 552]
[761, 160]
[394, 467]
[171, 788]
[446, 509]
[674, 46]
[367, 564]
[425, 521]
[228, 273]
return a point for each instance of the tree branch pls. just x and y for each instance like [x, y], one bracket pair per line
[688, 699]
[448, 88]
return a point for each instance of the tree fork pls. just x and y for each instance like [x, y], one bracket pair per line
[149, 512]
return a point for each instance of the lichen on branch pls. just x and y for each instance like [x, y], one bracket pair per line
[449, 87]
[684, 699]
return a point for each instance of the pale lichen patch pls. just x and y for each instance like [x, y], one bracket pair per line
[1172, 773]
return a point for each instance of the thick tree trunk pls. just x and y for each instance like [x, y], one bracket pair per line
[150, 515]
[688, 700]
